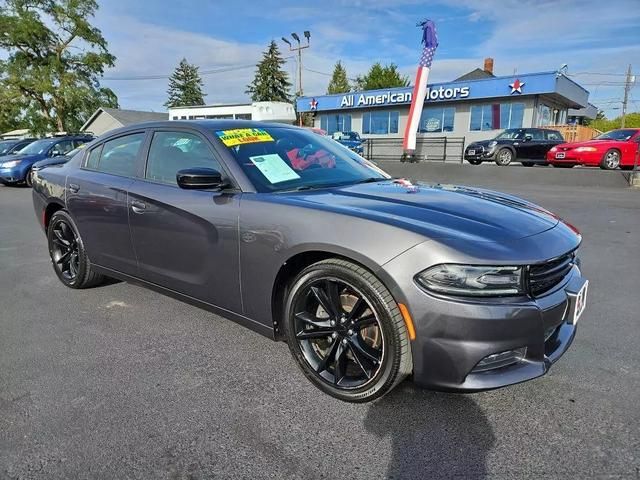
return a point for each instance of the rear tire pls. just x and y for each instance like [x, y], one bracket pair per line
[527, 164]
[346, 332]
[504, 157]
[68, 256]
[611, 160]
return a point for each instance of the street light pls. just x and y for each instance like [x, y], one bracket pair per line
[298, 49]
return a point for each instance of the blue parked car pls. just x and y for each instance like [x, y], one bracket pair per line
[17, 168]
[9, 147]
[351, 140]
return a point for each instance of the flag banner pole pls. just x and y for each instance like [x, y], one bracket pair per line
[429, 46]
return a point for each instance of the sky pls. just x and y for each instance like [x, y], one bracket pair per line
[596, 39]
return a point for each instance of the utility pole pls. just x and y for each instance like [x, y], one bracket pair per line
[627, 87]
[298, 49]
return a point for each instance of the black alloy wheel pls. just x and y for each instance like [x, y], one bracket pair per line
[70, 261]
[346, 332]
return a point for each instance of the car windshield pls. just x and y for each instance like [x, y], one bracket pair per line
[346, 136]
[37, 147]
[6, 146]
[511, 134]
[282, 158]
[622, 135]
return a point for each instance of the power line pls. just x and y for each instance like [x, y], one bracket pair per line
[212, 71]
[596, 73]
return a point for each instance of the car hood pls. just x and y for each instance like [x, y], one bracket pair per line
[9, 158]
[350, 143]
[592, 143]
[435, 211]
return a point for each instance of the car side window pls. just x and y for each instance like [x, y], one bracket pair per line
[551, 135]
[62, 148]
[93, 158]
[536, 134]
[171, 152]
[117, 156]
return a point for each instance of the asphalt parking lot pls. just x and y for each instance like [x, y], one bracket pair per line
[122, 382]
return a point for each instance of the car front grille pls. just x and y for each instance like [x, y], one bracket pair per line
[544, 276]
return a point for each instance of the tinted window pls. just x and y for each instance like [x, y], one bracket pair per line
[37, 147]
[551, 135]
[118, 156]
[622, 135]
[6, 146]
[496, 115]
[174, 151]
[94, 158]
[536, 134]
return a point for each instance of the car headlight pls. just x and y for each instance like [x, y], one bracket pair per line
[586, 149]
[492, 144]
[473, 281]
[11, 164]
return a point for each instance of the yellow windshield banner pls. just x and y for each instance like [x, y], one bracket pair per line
[241, 136]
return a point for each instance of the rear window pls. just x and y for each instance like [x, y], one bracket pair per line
[553, 135]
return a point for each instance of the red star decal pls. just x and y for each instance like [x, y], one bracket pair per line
[516, 86]
[313, 104]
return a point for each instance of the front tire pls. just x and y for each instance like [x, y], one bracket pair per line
[475, 162]
[611, 160]
[504, 157]
[70, 261]
[28, 179]
[346, 332]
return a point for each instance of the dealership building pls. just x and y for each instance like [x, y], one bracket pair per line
[474, 106]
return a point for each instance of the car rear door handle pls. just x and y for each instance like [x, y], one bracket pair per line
[137, 206]
[73, 188]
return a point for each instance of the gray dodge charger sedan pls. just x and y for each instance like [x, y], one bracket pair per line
[369, 279]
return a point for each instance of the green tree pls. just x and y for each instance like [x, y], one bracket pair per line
[271, 82]
[185, 86]
[55, 60]
[632, 120]
[380, 76]
[339, 82]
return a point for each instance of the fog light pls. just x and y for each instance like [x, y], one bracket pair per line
[500, 360]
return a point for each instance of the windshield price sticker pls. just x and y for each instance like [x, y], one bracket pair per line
[274, 168]
[242, 136]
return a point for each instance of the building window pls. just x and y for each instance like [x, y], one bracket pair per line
[496, 116]
[437, 119]
[335, 123]
[380, 123]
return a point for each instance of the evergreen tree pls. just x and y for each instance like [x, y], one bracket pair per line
[185, 86]
[339, 82]
[271, 82]
[54, 58]
[382, 77]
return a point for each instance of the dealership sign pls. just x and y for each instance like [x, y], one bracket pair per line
[390, 98]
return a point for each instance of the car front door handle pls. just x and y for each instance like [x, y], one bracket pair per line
[138, 207]
[73, 188]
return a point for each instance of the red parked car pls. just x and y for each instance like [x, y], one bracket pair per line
[617, 148]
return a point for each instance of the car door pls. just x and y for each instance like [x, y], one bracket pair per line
[529, 146]
[97, 200]
[185, 240]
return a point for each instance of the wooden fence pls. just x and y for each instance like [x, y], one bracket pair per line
[575, 133]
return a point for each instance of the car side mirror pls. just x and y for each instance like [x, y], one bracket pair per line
[200, 179]
[528, 138]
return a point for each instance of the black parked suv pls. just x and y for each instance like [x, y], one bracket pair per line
[526, 145]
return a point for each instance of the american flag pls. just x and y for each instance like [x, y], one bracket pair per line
[429, 45]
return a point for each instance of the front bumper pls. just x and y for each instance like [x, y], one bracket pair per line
[13, 174]
[453, 335]
[479, 153]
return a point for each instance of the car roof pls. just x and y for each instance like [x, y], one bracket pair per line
[221, 124]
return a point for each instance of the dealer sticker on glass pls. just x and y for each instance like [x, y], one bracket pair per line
[274, 168]
[242, 136]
